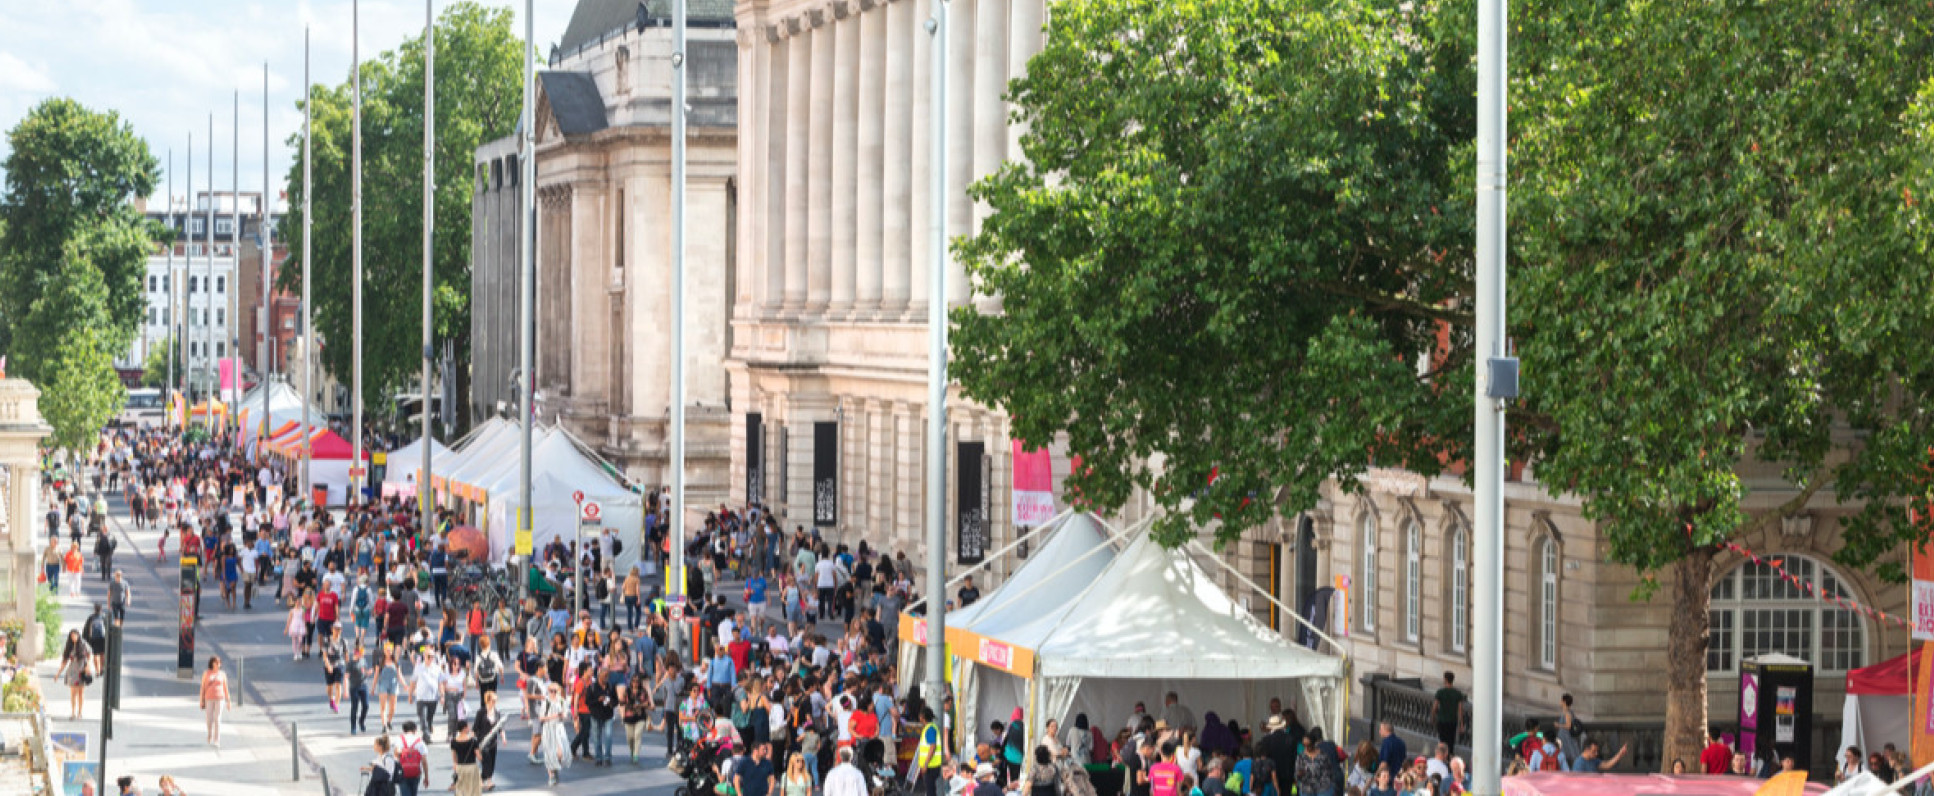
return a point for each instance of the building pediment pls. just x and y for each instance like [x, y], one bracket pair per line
[568, 105]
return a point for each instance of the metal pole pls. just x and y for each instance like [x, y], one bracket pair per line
[308, 191]
[208, 270]
[937, 377]
[295, 751]
[235, 258]
[429, 220]
[168, 318]
[262, 324]
[526, 327]
[1487, 692]
[675, 584]
[356, 259]
[181, 285]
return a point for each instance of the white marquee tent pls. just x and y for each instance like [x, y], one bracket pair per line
[1073, 640]
[399, 474]
[559, 470]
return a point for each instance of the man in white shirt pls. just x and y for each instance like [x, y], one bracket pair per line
[845, 779]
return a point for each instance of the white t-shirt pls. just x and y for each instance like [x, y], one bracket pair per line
[335, 581]
[248, 559]
[825, 570]
[726, 626]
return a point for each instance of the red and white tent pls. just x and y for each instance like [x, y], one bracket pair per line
[1879, 704]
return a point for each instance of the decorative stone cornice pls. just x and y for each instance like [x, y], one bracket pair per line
[555, 196]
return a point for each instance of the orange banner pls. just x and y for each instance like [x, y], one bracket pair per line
[973, 646]
[1922, 722]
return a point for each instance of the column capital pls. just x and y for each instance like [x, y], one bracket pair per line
[844, 8]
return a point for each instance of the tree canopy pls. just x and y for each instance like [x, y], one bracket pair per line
[72, 259]
[1239, 249]
[479, 85]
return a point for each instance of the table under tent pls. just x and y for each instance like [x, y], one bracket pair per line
[1099, 619]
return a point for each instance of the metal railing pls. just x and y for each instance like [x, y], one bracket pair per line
[1406, 704]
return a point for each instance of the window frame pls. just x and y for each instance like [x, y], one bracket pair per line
[1413, 581]
[1460, 590]
[1768, 598]
[1550, 560]
[1367, 572]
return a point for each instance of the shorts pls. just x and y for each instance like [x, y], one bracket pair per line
[757, 609]
[323, 626]
[332, 678]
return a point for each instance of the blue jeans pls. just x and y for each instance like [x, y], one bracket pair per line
[601, 739]
[405, 787]
[632, 612]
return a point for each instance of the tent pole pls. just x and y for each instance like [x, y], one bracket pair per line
[989, 560]
[1244, 579]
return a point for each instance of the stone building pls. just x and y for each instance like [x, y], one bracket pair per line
[829, 314]
[23, 538]
[604, 240]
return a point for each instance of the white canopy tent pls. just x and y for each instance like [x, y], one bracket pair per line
[560, 470]
[399, 475]
[486, 451]
[1150, 621]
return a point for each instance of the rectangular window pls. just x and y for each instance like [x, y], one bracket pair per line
[1367, 586]
[196, 226]
[1842, 641]
[1413, 583]
[167, 283]
[221, 350]
[1460, 592]
[151, 283]
[150, 316]
[194, 284]
[223, 226]
[221, 319]
[221, 286]
[1788, 631]
[1719, 651]
[164, 316]
[621, 231]
[1548, 607]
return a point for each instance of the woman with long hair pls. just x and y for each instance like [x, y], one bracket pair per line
[553, 715]
[1363, 766]
[77, 671]
[796, 781]
[389, 683]
[487, 726]
[214, 699]
[463, 762]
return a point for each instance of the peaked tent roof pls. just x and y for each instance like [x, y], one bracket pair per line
[1155, 614]
[404, 461]
[1057, 572]
[330, 446]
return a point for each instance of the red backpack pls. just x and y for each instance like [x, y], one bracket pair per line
[409, 762]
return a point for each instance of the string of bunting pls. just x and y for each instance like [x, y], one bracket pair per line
[1806, 587]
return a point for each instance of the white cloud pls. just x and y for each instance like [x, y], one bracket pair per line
[165, 65]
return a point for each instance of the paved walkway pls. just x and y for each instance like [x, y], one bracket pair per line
[159, 729]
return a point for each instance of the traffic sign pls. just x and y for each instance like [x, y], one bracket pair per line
[590, 511]
[358, 472]
[578, 496]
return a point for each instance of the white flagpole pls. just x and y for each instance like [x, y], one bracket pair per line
[429, 220]
[309, 348]
[356, 257]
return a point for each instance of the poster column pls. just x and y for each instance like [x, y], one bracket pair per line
[970, 505]
[755, 458]
[825, 475]
[189, 603]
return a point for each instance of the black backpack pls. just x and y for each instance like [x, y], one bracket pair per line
[380, 783]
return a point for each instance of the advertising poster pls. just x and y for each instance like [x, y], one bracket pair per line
[825, 475]
[970, 514]
[1923, 592]
[1033, 487]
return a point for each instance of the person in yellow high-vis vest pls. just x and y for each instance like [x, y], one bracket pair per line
[929, 755]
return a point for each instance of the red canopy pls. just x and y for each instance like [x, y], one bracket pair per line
[330, 445]
[1886, 678]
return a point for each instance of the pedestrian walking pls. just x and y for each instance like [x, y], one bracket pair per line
[487, 726]
[556, 746]
[214, 699]
[77, 671]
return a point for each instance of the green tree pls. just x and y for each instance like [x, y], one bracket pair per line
[1240, 249]
[155, 369]
[72, 261]
[479, 85]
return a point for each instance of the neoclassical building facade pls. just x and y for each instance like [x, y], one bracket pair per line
[604, 241]
[829, 311]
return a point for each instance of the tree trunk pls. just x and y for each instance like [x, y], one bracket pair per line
[1685, 659]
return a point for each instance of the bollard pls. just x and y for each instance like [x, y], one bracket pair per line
[241, 677]
[295, 752]
[325, 782]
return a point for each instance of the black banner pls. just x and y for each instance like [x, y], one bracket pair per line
[755, 458]
[970, 504]
[189, 607]
[825, 475]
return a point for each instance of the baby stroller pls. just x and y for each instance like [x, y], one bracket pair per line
[698, 764]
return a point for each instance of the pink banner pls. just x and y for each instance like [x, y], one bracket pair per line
[1033, 487]
[228, 374]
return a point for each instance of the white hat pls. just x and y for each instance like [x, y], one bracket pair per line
[984, 770]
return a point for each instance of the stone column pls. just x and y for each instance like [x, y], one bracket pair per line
[866, 249]
[754, 72]
[896, 219]
[819, 230]
[773, 185]
[1025, 40]
[846, 112]
[799, 75]
[962, 80]
[990, 115]
[920, 154]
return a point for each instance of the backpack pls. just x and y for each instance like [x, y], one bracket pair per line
[1549, 762]
[409, 762]
[487, 667]
[362, 598]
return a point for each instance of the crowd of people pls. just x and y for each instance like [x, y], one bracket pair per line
[788, 690]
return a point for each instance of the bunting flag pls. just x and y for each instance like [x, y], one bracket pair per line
[1806, 587]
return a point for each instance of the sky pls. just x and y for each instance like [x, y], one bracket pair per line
[165, 65]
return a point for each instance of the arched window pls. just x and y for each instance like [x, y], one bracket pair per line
[1413, 583]
[1460, 589]
[1367, 584]
[1547, 603]
[1756, 610]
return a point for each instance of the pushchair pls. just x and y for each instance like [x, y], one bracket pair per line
[697, 763]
